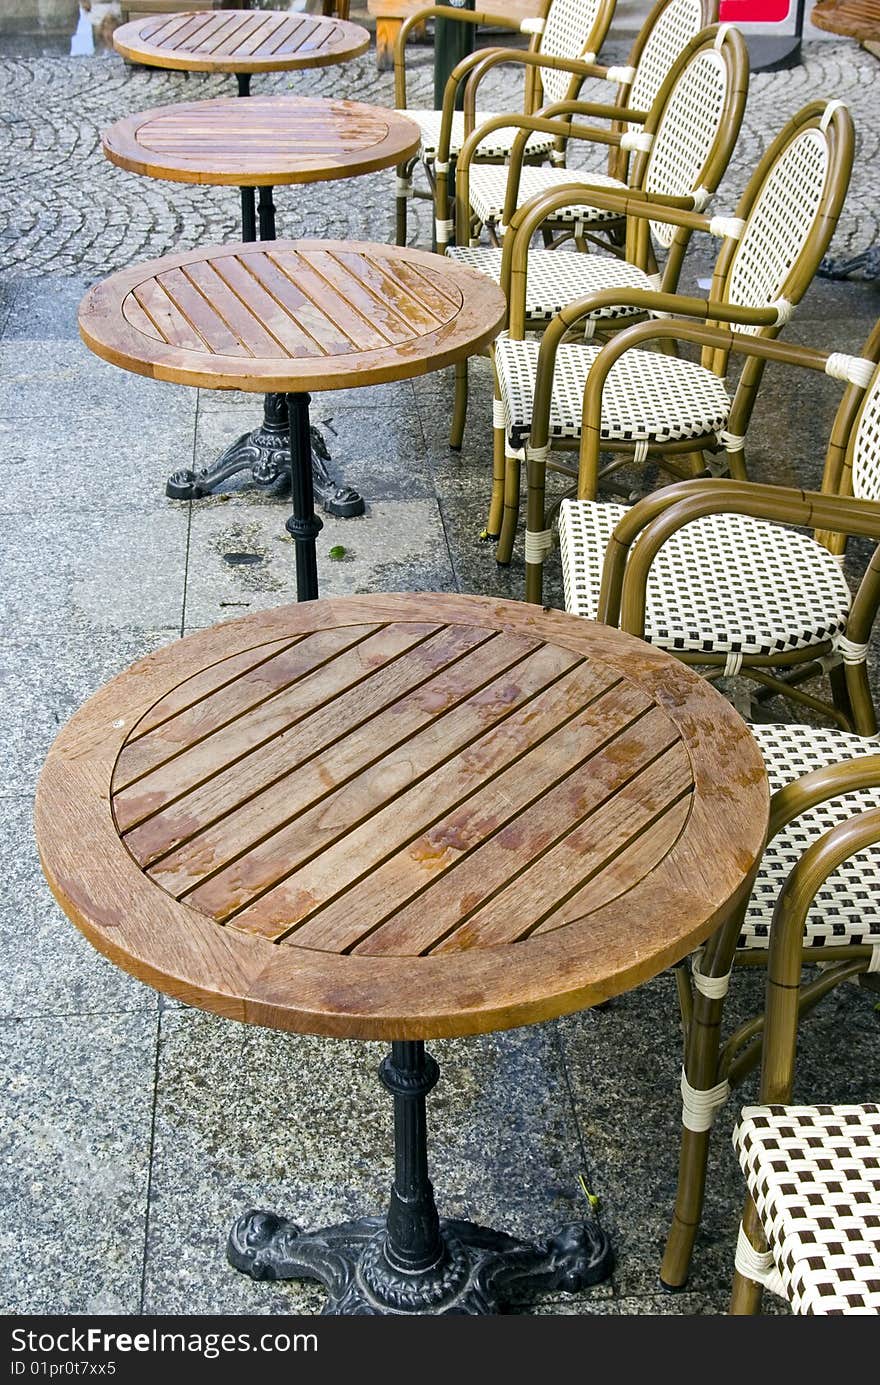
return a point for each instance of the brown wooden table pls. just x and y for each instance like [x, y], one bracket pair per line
[398, 817]
[288, 317]
[240, 41]
[259, 143]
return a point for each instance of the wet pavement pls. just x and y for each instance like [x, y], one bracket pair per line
[133, 1130]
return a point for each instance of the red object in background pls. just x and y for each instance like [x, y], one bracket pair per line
[754, 11]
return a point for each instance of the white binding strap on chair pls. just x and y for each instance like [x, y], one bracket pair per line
[621, 75]
[699, 1108]
[539, 542]
[828, 113]
[713, 987]
[732, 226]
[854, 370]
[404, 187]
[851, 652]
[499, 413]
[535, 25]
[731, 442]
[637, 139]
[757, 1265]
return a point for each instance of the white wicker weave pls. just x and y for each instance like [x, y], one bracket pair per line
[778, 226]
[497, 145]
[814, 1175]
[488, 189]
[724, 584]
[557, 277]
[567, 34]
[866, 449]
[647, 397]
[846, 909]
[686, 131]
[673, 31]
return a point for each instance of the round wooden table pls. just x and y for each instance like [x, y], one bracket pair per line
[397, 817]
[240, 41]
[289, 317]
[259, 143]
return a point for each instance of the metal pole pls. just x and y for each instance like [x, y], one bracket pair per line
[413, 1241]
[452, 42]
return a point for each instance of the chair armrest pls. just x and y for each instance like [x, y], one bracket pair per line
[831, 781]
[785, 958]
[579, 67]
[627, 565]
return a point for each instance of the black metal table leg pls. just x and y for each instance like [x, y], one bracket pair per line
[411, 1261]
[303, 525]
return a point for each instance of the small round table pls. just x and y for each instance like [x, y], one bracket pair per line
[240, 41]
[288, 317]
[399, 817]
[259, 143]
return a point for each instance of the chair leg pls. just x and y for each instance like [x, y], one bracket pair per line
[737, 463]
[701, 1072]
[840, 692]
[510, 516]
[537, 536]
[496, 504]
[746, 1293]
[459, 412]
[404, 177]
[864, 718]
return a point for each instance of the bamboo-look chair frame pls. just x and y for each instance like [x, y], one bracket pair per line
[478, 64]
[834, 513]
[786, 998]
[683, 457]
[712, 1067]
[637, 248]
[639, 83]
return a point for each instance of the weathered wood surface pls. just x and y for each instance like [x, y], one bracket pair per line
[291, 315]
[239, 41]
[401, 816]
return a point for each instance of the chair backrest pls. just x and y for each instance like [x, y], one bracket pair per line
[572, 29]
[694, 122]
[865, 445]
[789, 210]
[668, 29]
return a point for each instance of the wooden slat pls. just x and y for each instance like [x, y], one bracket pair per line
[207, 681]
[287, 275]
[213, 753]
[202, 314]
[241, 318]
[511, 808]
[467, 881]
[415, 307]
[478, 771]
[393, 325]
[225, 704]
[519, 910]
[292, 318]
[166, 317]
[345, 780]
[240, 40]
[135, 315]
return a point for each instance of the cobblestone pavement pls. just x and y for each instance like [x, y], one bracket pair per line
[65, 209]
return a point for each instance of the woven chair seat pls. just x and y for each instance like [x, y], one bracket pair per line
[648, 397]
[814, 1175]
[846, 909]
[724, 584]
[488, 188]
[558, 277]
[496, 146]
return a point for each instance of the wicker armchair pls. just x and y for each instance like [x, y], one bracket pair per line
[640, 404]
[565, 42]
[487, 196]
[691, 130]
[716, 572]
[811, 1230]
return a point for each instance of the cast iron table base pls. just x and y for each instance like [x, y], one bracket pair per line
[264, 451]
[411, 1261]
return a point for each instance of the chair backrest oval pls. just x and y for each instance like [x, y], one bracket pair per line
[790, 209]
[572, 29]
[695, 128]
[668, 29]
[865, 458]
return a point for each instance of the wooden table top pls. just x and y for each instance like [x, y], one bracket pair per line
[401, 816]
[239, 40]
[291, 315]
[260, 140]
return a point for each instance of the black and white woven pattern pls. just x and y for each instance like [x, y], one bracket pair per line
[647, 396]
[558, 277]
[846, 910]
[814, 1175]
[866, 448]
[724, 584]
[673, 31]
[568, 33]
[686, 132]
[779, 224]
[496, 145]
[488, 188]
